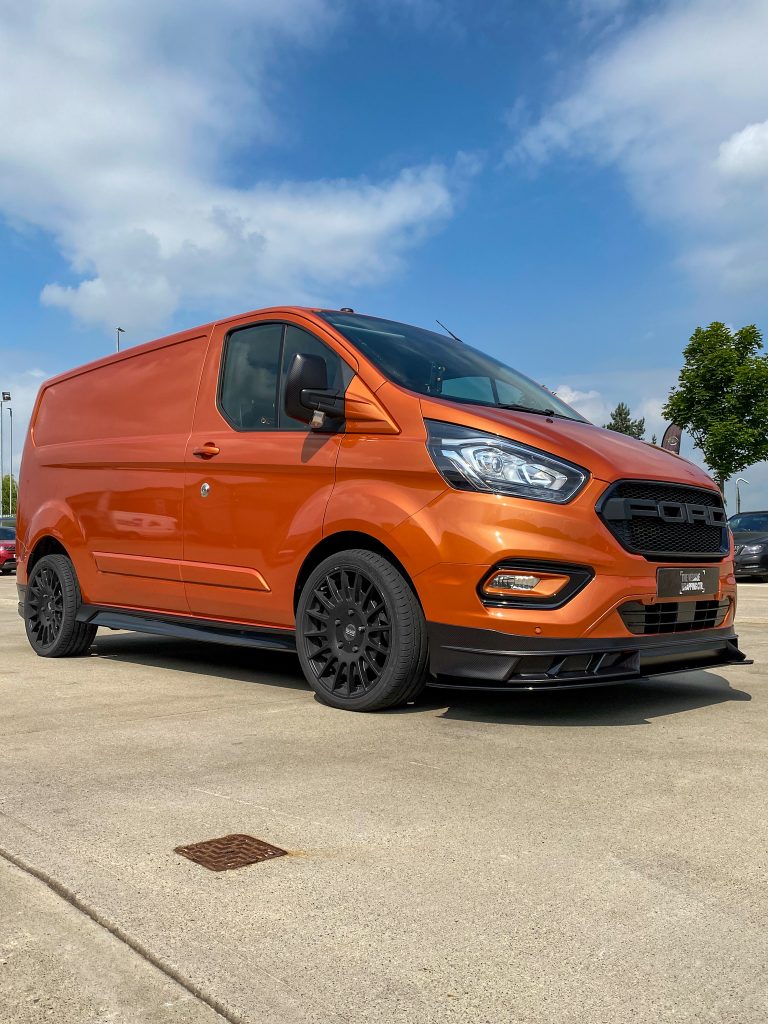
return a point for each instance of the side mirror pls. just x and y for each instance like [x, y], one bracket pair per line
[307, 395]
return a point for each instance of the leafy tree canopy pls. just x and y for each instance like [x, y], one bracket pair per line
[622, 422]
[721, 398]
[10, 494]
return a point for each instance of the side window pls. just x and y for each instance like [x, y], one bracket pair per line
[297, 340]
[248, 393]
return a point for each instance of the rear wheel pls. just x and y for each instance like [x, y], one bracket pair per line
[361, 634]
[50, 610]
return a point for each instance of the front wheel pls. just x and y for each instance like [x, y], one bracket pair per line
[50, 610]
[361, 634]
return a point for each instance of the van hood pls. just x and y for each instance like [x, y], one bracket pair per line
[607, 454]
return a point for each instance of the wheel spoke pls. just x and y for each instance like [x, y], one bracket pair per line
[324, 601]
[371, 644]
[337, 674]
[334, 590]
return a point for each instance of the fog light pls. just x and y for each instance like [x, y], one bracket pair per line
[511, 581]
[503, 583]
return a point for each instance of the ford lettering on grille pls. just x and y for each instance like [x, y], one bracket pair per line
[666, 511]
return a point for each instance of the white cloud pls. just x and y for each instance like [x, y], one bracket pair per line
[745, 153]
[120, 123]
[677, 102]
[595, 395]
[591, 404]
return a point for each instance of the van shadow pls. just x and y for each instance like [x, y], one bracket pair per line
[238, 664]
[621, 704]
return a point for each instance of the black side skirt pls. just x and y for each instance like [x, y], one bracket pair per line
[185, 628]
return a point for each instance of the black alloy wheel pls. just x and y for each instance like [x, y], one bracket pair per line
[51, 605]
[361, 634]
[46, 606]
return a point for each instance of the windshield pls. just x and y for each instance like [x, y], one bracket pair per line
[435, 365]
[749, 522]
[7, 533]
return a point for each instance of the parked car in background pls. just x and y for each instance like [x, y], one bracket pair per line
[750, 536]
[7, 550]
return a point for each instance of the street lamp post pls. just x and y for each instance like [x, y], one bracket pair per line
[118, 332]
[5, 396]
[739, 480]
[10, 488]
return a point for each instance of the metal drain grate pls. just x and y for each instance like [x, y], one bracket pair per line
[227, 852]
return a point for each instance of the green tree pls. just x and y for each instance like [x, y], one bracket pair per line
[621, 421]
[10, 495]
[721, 398]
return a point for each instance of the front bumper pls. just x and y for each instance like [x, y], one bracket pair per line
[8, 564]
[486, 659]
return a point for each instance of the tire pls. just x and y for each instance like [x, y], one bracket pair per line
[360, 633]
[50, 610]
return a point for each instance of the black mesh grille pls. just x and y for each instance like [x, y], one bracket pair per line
[662, 541]
[673, 616]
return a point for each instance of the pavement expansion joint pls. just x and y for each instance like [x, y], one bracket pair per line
[119, 933]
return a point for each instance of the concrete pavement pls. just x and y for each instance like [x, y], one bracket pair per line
[589, 856]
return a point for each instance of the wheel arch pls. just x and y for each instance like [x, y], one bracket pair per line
[46, 545]
[52, 523]
[346, 540]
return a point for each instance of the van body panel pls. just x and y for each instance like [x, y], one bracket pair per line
[264, 512]
[138, 565]
[53, 518]
[605, 453]
[381, 480]
[110, 439]
[264, 508]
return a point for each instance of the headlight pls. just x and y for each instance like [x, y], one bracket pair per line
[753, 549]
[472, 460]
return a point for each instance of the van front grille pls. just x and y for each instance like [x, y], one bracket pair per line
[673, 616]
[655, 534]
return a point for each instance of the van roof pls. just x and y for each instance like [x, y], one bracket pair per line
[192, 332]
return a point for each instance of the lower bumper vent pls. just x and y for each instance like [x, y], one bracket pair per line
[673, 616]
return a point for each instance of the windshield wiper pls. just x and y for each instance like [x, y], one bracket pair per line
[528, 408]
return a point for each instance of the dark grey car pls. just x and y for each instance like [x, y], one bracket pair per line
[750, 535]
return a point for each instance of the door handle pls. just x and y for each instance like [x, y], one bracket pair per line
[206, 451]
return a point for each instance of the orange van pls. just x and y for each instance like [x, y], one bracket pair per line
[391, 504]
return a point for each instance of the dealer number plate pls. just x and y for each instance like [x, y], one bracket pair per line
[687, 582]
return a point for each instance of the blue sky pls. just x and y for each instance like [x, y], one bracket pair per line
[573, 185]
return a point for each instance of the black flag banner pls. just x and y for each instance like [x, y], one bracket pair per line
[671, 439]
